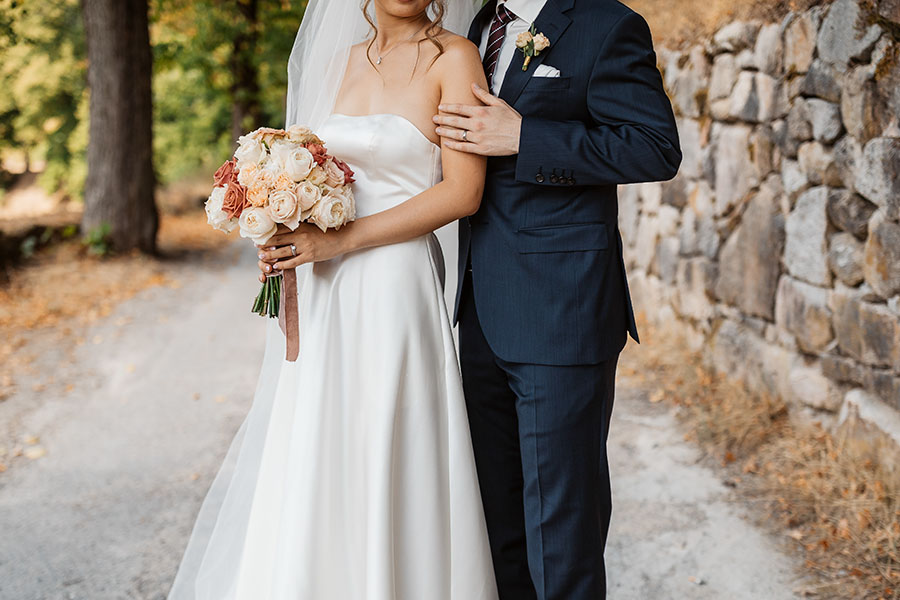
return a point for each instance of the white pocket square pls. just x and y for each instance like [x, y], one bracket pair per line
[546, 71]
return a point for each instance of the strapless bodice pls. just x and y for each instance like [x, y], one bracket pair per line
[391, 158]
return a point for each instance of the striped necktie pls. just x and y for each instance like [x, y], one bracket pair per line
[495, 40]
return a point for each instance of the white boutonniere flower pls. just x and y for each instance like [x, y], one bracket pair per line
[531, 43]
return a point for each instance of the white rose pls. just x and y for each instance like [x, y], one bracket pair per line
[297, 133]
[317, 176]
[334, 176]
[298, 164]
[333, 211]
[257, 225]
[283, 208]
[249, 152]
[307, 196]
[274, 167]
[281, 151]
[215, 214]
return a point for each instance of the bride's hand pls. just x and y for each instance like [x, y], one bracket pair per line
[310, 244]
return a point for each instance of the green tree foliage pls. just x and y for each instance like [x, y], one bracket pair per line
[43, 103]
[43, 97]
[194, 84]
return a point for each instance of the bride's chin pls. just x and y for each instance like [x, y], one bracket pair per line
[403, 9]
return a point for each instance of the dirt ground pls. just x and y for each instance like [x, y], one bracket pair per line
[110, 444]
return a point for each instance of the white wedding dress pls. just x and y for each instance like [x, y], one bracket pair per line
[352, 477]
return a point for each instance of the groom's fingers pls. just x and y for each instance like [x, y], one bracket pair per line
[454, 134]
[458, 122]
[485, 96]
[465, 110]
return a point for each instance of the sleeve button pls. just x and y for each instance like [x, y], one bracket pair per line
[539, 178]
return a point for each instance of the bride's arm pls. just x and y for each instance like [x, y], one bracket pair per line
[457, 196]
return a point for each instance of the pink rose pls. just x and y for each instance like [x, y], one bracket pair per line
[335, 175]
[319, 153]
[235, 199]
[348, 172]
[224, 173]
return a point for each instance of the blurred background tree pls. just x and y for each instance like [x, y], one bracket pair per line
[219, 69]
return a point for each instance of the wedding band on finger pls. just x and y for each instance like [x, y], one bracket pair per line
[293, 250]
[465, 135]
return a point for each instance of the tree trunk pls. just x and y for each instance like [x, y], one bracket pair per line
[246, 113]
[119, 190]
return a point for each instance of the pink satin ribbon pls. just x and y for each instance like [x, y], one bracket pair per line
[288, 317]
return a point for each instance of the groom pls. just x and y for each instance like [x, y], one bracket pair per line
[543, 304]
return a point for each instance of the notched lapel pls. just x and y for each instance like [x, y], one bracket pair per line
[478, 23]
[552, 22]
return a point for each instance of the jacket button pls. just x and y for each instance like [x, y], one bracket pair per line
[539, 178]
[554, 179]
[571, 181]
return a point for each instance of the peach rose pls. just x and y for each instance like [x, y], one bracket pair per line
[334, 175]
[283, 208]
[523, 39]
[257, 194]
[283, 182]
[334, 210]
[247, 175]
[317, 176]
[541, 43]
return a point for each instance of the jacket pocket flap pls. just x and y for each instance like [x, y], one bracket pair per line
[563, 238]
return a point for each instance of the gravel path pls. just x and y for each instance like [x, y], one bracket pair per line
[133, 445]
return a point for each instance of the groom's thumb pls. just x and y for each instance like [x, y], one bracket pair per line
[485, 96]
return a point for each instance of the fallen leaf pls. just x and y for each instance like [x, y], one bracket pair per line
[195, 476]
[657, 396]
[97, 339]
[2, 468]
[31, 440]
[130, 368]
[196, 396]
[219, 399]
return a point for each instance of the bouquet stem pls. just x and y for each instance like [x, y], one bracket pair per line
[268, 300]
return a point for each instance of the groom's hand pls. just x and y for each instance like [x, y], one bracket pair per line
[491, 129]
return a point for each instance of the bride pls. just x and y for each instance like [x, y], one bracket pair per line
[352, 477]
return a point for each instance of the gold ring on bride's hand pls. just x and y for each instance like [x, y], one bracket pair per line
[293, 250]
[465, 135]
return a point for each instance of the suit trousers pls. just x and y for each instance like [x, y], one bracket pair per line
[539, 434]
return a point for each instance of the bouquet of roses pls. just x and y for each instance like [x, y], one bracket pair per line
[280, 176]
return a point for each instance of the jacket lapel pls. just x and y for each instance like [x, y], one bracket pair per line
[552, 22]
[477, 28]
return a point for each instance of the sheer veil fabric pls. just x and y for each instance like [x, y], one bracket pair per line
[218, 544]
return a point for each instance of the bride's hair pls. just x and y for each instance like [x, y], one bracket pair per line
[430, 33]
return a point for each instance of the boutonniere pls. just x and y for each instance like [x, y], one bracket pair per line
[531, 43]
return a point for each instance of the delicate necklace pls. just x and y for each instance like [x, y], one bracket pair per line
[394, 47]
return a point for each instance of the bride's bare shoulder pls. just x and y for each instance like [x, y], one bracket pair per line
[458, 52]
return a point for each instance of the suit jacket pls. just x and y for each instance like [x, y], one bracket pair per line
[545, 250]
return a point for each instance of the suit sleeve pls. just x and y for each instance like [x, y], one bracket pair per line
[632, 137]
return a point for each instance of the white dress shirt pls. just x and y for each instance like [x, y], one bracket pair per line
[526, 12]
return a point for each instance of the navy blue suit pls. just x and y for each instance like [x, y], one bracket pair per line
[543, 303]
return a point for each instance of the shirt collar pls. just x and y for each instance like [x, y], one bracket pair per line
[526, 10]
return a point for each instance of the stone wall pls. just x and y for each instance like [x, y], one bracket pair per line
[777, 247]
